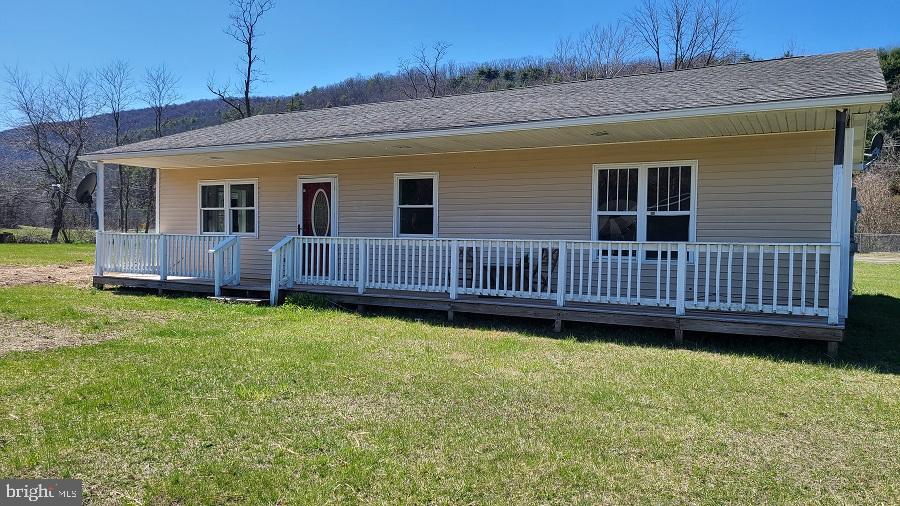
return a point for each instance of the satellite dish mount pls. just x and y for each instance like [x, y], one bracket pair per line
[874, 150]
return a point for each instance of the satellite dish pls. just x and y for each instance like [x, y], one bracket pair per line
[85, 190]
[876, 145]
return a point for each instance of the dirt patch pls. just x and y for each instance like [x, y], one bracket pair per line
[14, 275]
[20, 335]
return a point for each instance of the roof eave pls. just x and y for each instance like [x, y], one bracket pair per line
[813, 103]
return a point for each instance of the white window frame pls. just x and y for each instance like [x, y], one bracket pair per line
[434, 201]
[642, 213]
[227, 184]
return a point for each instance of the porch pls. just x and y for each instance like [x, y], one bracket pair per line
[178, 262]
[780, 289]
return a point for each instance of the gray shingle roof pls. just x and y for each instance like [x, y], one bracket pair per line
[820, 76]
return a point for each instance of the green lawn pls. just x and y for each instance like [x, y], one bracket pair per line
[26, 234]
[197, 402]
[46, 254]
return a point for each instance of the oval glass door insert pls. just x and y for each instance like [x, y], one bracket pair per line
[321, 214]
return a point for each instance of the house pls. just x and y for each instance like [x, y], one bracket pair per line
[710, 199]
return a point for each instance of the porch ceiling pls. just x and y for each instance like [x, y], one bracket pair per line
[603, 131]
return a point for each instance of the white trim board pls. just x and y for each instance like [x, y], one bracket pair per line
[827, 102]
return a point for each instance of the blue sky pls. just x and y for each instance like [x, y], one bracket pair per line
[309, 43]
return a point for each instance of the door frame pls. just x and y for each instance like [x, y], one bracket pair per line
[327, 178]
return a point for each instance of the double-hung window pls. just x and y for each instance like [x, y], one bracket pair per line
[653, 202]
[415, 204]
[228, 207]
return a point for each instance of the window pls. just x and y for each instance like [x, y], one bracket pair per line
[669, 203]
[617, 204]
[415, 199]
[212, 209]
[644, 202]
[235, 214]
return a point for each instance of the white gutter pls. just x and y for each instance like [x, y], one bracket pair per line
[812, 103]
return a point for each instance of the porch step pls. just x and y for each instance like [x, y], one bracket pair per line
[239, 300]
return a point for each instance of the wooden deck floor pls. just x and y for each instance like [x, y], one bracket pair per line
[792, 326]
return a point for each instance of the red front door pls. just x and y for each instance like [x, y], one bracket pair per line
[316, 214]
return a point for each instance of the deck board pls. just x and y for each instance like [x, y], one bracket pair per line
[791, 326]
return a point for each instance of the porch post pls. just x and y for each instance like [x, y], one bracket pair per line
[218, 276]
[362, 268]
[454, 269]
[235, 261]
[101, 198]
[841, 181]
[275, 282]
[156, 207]
[681, 279]
[162, 257]
[99, 242]
[561, 270]
[846, 197]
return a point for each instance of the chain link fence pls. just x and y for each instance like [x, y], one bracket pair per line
[873, 243]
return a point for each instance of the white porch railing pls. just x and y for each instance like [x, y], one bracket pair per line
[226, 263]
[797, 278]
[205, 257]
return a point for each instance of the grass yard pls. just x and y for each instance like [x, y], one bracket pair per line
[46, 254]
[26, 234]
[198, 402]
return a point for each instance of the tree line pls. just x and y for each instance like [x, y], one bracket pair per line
[660, 35]
[878, 187]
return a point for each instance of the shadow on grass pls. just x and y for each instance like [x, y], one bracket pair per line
[872, 340]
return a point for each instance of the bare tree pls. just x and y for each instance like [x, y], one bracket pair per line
[605, 51]
[647, 21]
[565, 58]
[686, 33]
[54, 114]
[877, 192]
[432, 65]
[426, 70]
[411, 78]
[116, 92]
[159, 93]
[243, 20]
[722, 28]
[790, 48]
